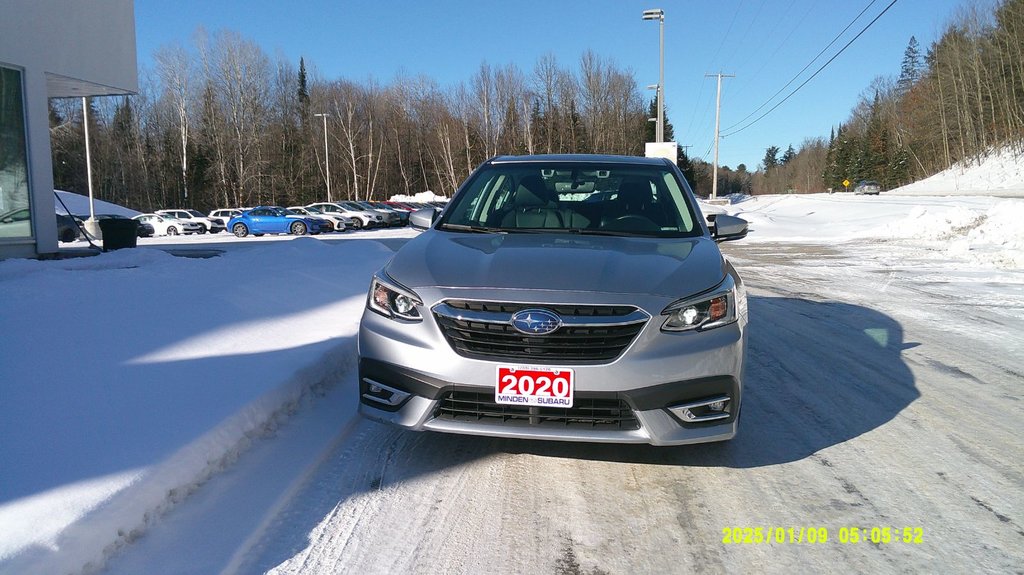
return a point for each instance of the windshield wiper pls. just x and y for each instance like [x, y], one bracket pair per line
[477, 229]
[587, 232]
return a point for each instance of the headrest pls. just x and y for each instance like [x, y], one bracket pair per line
[532, 192]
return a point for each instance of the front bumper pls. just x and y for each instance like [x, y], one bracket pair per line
[409, 376]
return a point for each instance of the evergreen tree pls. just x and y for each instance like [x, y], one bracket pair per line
[539, 126]
[899, 168]
[684, 164]
[771, 158]
[910, 70]
[303, 93]
[651, 130]
[788, 156]
[875, 147]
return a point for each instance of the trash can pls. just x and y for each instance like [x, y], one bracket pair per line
[119, 233]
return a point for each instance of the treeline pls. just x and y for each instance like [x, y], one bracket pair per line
[222, 124]
[957, 102]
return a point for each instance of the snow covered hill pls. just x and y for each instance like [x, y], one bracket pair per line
[999, 174]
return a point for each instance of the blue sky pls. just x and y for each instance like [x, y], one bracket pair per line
[764, 43]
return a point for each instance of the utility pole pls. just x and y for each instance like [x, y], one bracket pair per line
[718, 110]
[327, 156]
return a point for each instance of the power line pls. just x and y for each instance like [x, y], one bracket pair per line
[818, 71]
[725, 36]
[804, 69]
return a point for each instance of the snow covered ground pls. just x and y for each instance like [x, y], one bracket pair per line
[131, 377]
[137, 385]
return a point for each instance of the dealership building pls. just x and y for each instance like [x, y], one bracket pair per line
[51, 49]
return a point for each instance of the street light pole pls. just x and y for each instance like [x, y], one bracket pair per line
[92, 225]
[327, 156]
[659, 15]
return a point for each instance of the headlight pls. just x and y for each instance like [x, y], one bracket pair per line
[390, 300]
[707, 311]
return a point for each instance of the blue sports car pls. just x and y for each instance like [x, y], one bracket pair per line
[273, 220]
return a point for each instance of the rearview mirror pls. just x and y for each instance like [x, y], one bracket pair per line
[727, 228]
[423, 218]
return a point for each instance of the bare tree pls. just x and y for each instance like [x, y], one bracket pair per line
[174, 66]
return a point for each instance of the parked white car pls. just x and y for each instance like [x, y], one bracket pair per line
[164, 225]
[360, 218]
[212, 225]
[341, 222]
[225, 214]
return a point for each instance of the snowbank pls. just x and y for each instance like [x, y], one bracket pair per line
[421, 197]
[1000, 174]
[138, 375]
[984, 231]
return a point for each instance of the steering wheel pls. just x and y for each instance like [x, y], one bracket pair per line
[632, 222]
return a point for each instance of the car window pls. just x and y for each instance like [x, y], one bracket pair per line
[619, 199]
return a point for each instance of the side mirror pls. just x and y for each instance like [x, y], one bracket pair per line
[728, 228]
[424, 218]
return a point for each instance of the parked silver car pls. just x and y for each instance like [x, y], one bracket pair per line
[571, 297]
[360, 218]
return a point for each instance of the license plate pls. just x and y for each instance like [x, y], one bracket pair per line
[534, 386]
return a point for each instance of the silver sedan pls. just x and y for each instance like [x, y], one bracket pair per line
[579, 298]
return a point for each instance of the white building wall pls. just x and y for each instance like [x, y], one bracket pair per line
[64, 48]
[88, 40]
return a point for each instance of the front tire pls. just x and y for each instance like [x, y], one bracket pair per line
[240, 230]
[172, 231]
[357, 224]
[298, 229]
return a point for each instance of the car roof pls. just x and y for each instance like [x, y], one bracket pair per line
[580, 158]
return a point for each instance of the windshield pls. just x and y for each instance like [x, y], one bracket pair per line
[196, 213]
[608, 199]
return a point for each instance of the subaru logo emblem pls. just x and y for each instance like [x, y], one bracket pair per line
[535, 321]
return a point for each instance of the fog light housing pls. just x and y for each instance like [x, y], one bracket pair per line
[377, 392]
[703, 410]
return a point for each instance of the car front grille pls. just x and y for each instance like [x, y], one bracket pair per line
[586, 413]
[483, 330]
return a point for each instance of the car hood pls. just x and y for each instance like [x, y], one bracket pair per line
[672, 268]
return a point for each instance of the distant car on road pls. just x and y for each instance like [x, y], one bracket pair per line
[867, 188]
[273, 220]
[168, 225]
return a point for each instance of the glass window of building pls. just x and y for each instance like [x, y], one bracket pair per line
[15, 214]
